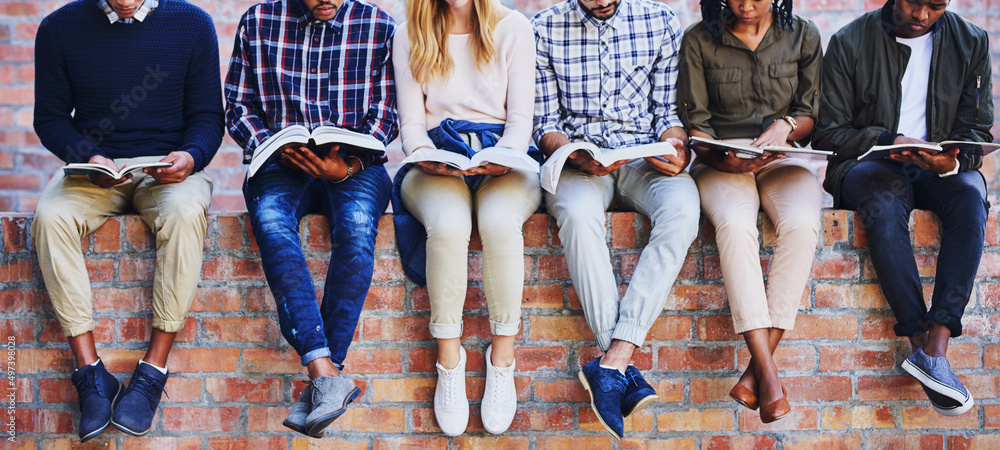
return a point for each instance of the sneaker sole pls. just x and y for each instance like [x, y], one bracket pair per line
[105, 427]
[294, 427]
[586, 385]
[956, 411]
[128, 431]
[315, 429]
[935, 385]
[642, 404]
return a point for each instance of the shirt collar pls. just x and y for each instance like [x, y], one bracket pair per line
[616, 21]
[303, 17]
[144, 10]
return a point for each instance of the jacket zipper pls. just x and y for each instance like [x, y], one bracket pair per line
[979, 79]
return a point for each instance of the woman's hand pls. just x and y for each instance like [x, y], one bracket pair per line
[493, 170]
[439, 168]
[776, 134]
[734, 164]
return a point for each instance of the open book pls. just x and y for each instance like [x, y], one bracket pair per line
[497, 155]
[747, 151]
[971, 148]
[88, 169]
[298, 134]
[553, 166]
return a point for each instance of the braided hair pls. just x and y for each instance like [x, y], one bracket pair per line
[716, 15]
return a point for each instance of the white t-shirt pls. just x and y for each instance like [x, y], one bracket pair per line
[913, 107]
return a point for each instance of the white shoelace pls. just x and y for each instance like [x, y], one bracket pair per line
[500, 386]
[451, 392]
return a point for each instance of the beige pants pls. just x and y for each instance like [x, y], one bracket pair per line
[72, 207]
[444, 205]
[789, 193]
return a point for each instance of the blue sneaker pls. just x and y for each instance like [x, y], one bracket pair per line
[638, 393]
[98, 391]
[134, 413]
[607, 389]
[950, 397]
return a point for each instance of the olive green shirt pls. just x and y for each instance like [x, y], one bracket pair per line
[728, 91]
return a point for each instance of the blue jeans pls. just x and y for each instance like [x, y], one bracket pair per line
[277, 198]
[884, 193]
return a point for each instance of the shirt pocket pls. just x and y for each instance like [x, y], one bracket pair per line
[636, 77]
[783, 79]
[725, 89]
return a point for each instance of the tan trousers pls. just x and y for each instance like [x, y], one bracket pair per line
[72, 207]
[444, 205]
[790, 195]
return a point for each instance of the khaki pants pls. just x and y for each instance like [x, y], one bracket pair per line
[72, 207]
[790, 195]
[444, 205]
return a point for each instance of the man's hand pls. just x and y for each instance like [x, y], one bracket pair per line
[103, 180]
[182, 167]
[329, 167]
[439, 168]
[942, 162]
[583, 161]
[671, 165]
[493, 170]
[776, 134]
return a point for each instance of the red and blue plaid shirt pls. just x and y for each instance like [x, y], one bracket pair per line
[291, 69]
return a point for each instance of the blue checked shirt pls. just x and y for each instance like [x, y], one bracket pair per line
[611, 82]
[140, 14]
[290, 69]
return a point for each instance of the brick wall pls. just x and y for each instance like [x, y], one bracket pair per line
[25, 166]
[234, 376]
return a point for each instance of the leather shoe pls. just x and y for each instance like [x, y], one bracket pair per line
[745, 397]
[777, 409]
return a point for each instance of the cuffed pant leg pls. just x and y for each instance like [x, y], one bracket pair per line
[579, 207]
[791, 196]
[731, 202]
[503, 204]
[672, 205]
[175, 212]
[443, 204]
[69, 208]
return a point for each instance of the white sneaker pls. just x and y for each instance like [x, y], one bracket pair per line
[500, 398]
[451, 405]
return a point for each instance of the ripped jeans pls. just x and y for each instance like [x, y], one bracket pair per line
[277, 198]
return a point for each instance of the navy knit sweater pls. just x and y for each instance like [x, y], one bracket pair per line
[140, 89]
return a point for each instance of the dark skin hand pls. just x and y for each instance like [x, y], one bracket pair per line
[442, 169]
[329, 167]
[729, 162]
[943, 162]
[582, 160]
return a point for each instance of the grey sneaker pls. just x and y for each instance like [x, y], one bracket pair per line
[935, 375]
[296, 419]
[330, 396]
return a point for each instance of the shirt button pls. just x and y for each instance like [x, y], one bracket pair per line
[374, 73]
[312, 70]
[315, 39]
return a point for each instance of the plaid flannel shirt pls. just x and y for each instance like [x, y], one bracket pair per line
[610, 82]
[140, 13]
[289, 69]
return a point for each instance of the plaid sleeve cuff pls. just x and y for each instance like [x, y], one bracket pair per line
[667, 123]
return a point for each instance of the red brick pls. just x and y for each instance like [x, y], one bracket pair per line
[697, 297]
[217, 359]
[55, 390]
[15, 234]
[801, 418]
[260, 299]
[552, 267]
[835, 227]
[701, 419]
[183, 390]
[42, 421]
[992, 414]
[136, 269]
[841, 441]
[889, 388]
[23, 269]
[241, 329]
[738, 442]
[855, 358]
[543, 296]
[827, 388]
[134, 329]
[386, 238]
[786, 357]
[907, 442]
[835, 266]
[374, 361]
[267, 390]
[396, 328]
[695, 358]
[857, 417]
[216, 299]
[227, 268]
[190, 418]
[421, 359]
[623, 230]
[138, 235]
[385, 297]
[991, 356]
[574, 442]
[716, 328]
[388, 269]
[155, 443]
[131, 299]
[981, 325]
[531, 359]
[924, 417]
[266, 418]
[107, 237]
[43, 360]
[247, 443]
[382, 420]
[22, 9]
[23, 300]
[704, 390]
[386, 443]
[559, 328]
[270, 360]
[536, 231]
[403, 390]
[491, 442]
[878, 326]
[230, 232]
[560, 391]
[809, 327]
[317, 232]
[97, 269]
[20, 331]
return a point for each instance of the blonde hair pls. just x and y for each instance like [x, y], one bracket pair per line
[428, 30]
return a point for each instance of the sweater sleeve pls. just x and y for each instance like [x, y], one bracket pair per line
[54, 103]
[203, 115]
[409, 96]
[520, 66]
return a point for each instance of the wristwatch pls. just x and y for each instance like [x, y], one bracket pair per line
[791, 121]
